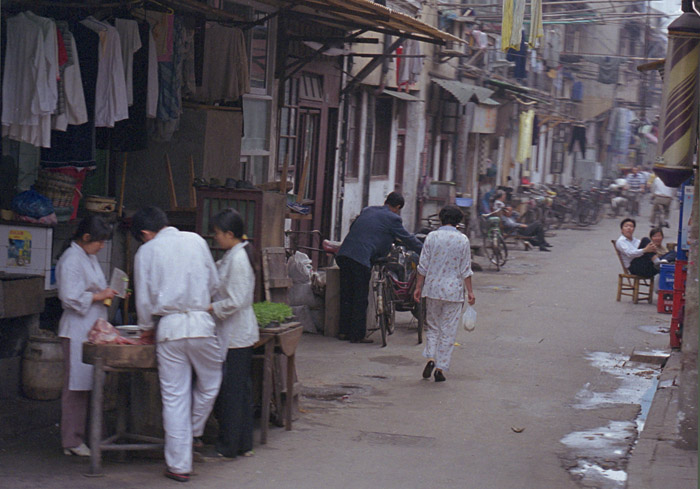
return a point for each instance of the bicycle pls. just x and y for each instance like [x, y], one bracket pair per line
[393, 283]
[494, 244]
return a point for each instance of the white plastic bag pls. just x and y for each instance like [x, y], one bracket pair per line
[468, 319]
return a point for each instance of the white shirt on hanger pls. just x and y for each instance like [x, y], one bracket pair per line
[110, 99]
[76, 111]
[130, 43]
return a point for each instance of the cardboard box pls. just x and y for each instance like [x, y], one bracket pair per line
[20, 295]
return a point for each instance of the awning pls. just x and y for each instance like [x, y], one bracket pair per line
[464, 92]
[362, 14]
[401, 95]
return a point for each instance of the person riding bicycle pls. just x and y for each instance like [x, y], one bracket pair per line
[535, 231]
[370, 237]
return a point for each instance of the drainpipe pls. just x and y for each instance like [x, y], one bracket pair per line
[342, 152]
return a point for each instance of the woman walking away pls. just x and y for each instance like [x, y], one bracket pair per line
[444, 272]
[237, 329]
[82, 289]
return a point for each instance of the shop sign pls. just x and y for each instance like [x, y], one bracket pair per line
[484, 119]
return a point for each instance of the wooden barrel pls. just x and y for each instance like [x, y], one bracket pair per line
[42, 368]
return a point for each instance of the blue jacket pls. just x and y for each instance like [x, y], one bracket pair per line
[372, 234]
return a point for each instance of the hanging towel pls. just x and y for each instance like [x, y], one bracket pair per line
[525, 136]
[512, 24]
[536, 25]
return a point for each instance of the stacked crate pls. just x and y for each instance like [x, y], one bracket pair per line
[664, 303]
[678, 307]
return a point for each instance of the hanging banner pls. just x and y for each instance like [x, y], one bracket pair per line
[484, 119]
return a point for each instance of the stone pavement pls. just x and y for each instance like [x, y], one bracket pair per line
[659, 461]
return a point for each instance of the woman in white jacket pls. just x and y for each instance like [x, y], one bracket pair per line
[237, 329]
[82, 288]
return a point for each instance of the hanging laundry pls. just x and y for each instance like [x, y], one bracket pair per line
[76, 145]
[552, 46]
[130, 41]
[410, 68]
[70, 86]
[225, 76]
[30, 81]
[578, 135]
[519, 57]
[525, 136]
[111, 100]
[162, 25]
[609, 70]
[170, 86]
[152, 96]
[512, 24]
[577, 91]
[536, 25]
[131, 134]
[481, 39]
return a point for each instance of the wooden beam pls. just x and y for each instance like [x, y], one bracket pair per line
[372, 65]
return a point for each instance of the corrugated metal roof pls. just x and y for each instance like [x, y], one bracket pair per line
[465, 92]
[401, 95]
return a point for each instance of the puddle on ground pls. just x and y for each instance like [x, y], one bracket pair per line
[635, 379]
[397, 360]
[394, 439]
[598, 457]
[654, 328]
[334, 392]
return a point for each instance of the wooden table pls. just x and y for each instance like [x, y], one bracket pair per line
[286, 338]
[131, 358]
[120, 359]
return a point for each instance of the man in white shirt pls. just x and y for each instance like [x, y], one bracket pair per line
[661, 200]
[636, 182]
[175, 278]
[633, 252]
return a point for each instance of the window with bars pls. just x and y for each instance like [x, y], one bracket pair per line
[382, 136]
[288, 113]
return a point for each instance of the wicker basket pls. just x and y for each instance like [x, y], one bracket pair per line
[57, 187]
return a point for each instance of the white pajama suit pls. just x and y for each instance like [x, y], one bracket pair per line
[175, 278]
[445, 262]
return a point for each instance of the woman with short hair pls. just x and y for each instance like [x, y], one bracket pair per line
[444, 274]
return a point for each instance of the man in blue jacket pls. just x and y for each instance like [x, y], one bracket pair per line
[370, 237]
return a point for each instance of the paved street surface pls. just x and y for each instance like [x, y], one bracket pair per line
[543, 395]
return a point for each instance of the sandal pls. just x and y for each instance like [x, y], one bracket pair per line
[177, 477]
[428, 369]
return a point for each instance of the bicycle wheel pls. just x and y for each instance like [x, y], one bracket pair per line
[389, 308]
[585, 215]
[502, 254]
[489, 250]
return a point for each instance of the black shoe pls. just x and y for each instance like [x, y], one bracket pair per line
[548, 245]
[439, 376]
[543, 248]
[362, 340]
[428, 370]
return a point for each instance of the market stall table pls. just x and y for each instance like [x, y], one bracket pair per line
[119, 359]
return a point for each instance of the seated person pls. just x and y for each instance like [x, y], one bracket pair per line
[636, 255]
[535, 230]
[662, 254]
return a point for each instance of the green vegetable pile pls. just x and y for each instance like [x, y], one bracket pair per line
[271, 312]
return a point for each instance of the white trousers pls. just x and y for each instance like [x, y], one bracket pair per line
[187, 407]
[442, 320]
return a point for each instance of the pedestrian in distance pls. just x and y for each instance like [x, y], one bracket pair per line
[82, 289]
[445, 281]
[237, 329]
[175, 278]
[370, 237]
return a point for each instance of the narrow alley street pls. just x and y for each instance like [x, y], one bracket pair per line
[540, 392]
